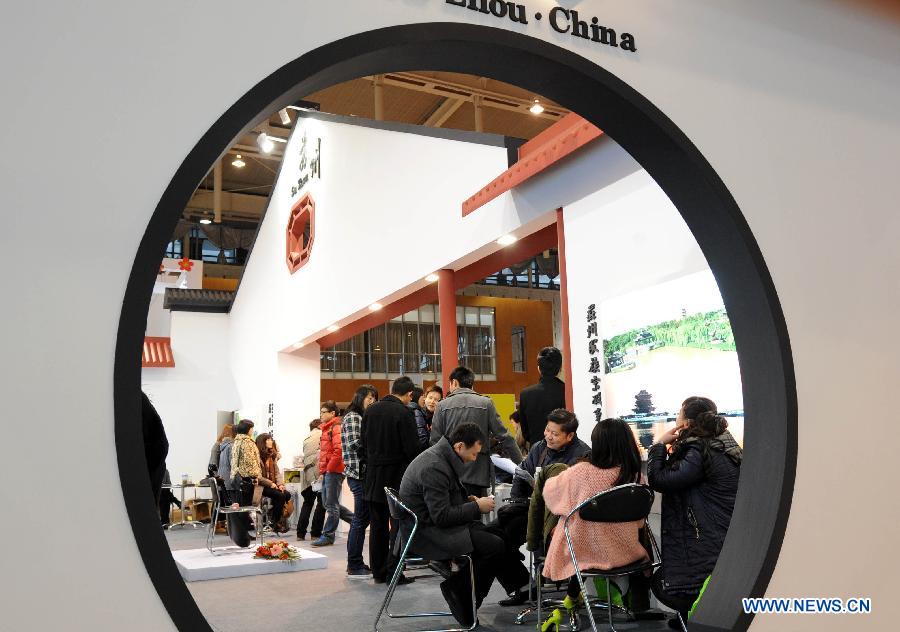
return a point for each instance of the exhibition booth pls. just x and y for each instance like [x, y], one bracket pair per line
[739, 151]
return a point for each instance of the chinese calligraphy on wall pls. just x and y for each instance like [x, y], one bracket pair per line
[595, 369]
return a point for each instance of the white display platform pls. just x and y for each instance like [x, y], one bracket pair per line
[200, 565]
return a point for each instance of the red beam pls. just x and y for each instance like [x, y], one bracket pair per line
[526, 247]
[564, 308]
[418, 298]
[547, 148]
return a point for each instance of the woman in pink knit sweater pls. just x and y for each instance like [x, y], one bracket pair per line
[614, 460]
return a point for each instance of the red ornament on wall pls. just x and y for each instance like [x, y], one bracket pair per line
[186, 264]
[300, 232]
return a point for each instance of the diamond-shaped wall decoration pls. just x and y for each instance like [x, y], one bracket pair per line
[300, 232]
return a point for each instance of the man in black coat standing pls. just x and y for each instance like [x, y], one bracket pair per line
[539, 400]
[388, 443]
[449, 520]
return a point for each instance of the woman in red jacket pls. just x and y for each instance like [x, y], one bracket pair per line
[331, 471]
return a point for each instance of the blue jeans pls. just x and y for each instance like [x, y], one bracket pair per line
[357, 536]
[331, 498]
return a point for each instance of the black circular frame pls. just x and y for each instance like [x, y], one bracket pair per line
[767, 478]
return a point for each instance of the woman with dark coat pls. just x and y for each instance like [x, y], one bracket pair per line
[425, 412]
[698, 481]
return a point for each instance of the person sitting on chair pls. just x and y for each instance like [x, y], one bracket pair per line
[559, 445]
[449, 520]
[614, 460]
[272, 481]
[698, 482]
[245, 470]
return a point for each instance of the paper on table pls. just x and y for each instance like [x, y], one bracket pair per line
[503, 463]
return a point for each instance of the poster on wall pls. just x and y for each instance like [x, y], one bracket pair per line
[663, 344]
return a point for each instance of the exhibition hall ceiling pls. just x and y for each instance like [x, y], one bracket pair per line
[434, 99]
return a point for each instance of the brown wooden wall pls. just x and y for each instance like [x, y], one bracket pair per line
[535, 316]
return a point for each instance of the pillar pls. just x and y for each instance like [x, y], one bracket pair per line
[217, 192]
[564, 308]
[447, 312]
[379, 97]
[479, 113]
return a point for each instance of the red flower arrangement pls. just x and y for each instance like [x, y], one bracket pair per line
[278, 550]
[186, 264]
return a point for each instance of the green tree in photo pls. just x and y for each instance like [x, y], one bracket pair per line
[708, 330]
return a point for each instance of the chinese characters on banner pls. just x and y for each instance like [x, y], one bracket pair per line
[595, 368]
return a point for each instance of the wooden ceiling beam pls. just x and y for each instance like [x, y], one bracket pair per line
[489, 98]
[443, 112]
[233, 204]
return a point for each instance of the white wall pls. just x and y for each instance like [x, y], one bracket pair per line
[188, 396]
[379, 189]
[625, 237]
[793, 104]
[361, 252]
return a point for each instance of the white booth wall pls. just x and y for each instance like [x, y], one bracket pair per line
[793, 104]
[626, 237]
[189, 395]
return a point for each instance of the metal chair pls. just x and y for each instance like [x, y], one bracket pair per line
[624, 503]
[218, 510]
[400, 512]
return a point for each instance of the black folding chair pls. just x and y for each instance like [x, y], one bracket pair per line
[218, 510]
[400, 512]
[624, 503]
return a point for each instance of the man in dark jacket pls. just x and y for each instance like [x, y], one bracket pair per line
[387, 445]
[463, 405]
[449, 523]
[539, 400]
[559, 445]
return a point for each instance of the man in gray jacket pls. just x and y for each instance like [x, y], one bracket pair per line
[449, 524]
[464, 405]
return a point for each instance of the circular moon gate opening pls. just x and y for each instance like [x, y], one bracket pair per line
[763, 502]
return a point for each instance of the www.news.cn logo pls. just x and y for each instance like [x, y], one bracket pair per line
[806, 605]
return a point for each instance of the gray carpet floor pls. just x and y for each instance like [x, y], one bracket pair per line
[326, 599]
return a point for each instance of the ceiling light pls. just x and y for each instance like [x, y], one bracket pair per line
[507, 240]
[536, 107]
[333, 328]
[266, 144]
[431, 278]
[237, 162]
[285, 116]
[375, 307]
[205, 221]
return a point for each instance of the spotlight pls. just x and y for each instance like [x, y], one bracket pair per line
[285, 116]
[507, 240]
[431, 278]
[265, 143]
[375, 307]
[536, 107]
[238, 162]
[333, 328]
[205, 221]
